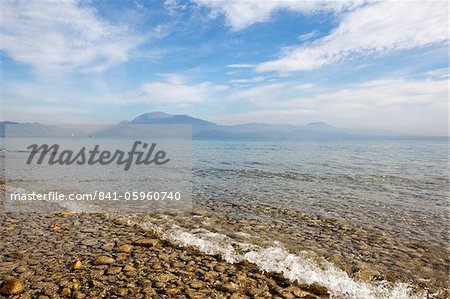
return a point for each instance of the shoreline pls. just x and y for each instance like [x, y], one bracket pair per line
[66, 245]
[69, 255]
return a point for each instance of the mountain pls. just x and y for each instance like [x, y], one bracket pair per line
[151, 116]
[206, 129]
[3, 124]
[159, 117]
[320, 126]
[162, 118]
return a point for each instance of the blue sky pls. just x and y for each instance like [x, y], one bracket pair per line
[352, 64]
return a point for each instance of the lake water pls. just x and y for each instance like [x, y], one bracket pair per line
[376, 208]
[365, 217]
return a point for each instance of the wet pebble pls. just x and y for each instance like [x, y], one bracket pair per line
[12, 287]
[103, 260]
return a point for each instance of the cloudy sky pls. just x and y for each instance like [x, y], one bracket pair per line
[351, 64]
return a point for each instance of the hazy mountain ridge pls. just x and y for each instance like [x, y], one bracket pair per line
[206, 129]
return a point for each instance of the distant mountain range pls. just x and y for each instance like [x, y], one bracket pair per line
[205, 129]
[162, 118]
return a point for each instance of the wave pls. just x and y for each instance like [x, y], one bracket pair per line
[302, 268]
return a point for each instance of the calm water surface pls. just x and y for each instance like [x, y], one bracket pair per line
[371, 181]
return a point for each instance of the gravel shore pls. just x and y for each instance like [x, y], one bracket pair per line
[68, 255]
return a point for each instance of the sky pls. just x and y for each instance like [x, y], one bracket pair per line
[352, 64]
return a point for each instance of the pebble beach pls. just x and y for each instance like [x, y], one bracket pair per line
[70, 255]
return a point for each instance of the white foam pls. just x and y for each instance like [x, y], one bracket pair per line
[210, 243]
[301, 268]
[305, 270]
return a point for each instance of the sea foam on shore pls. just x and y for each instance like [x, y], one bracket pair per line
[302, 269]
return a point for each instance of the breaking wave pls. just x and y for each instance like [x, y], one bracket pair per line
[301, 268]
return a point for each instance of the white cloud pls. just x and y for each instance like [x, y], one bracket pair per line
[307, 36]
[375, 28]
[174, 90]
[240, 14]
[376, 93]
[47, 100]
[264, 93]
[44, 101]
[62, 35]
[417, 106]
[241, 66]
[174, 5]
[250, 80]
[386, 94]
[441, 73]
[305, 86]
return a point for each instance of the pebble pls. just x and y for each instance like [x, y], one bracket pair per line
[195, 295]
[165, 277]
[108, 245]
[96, 283]
[172, 291]
[129, 268]
[368, 274]
[122, 291]
[149, 291]
[301, 293]
[12, 287]
[131, 273]
[124, 248]
[318, 289]
[146, 242]
[103, 260]
[196, 284]
[66, 292]
[149, 269]
[77, 265]
[230, 287]
[113, 270]
[79, 295]
[66, 214]
[21, 269]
